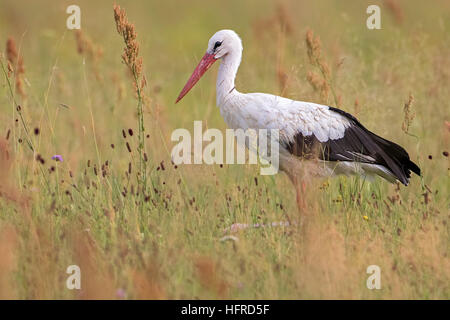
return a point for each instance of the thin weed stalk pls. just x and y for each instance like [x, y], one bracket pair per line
[22, 120]
[132, 60]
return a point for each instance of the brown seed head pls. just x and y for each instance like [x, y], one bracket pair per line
[131, 51]
[11, 50]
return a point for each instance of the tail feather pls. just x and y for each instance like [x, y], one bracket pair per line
[386, 153]
[399, 162]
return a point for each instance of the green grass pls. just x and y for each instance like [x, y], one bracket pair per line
[169, 245]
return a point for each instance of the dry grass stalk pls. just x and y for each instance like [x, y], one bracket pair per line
[11, 51]
[283, 78]
[8, 190]
[12, 57]
[395, 9]
[282, 74]
[279, 20]
[132, 60]
[319, 84]
[409, 115]
[357, 106]
[324, 85]
[15, 65]
[130, 55]
[87, 48]
[283, 18]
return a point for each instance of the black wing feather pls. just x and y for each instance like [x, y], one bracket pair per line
[358, 144]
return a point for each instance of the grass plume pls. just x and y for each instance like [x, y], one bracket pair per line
[323, 84]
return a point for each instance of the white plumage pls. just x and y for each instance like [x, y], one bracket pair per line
[266, 111]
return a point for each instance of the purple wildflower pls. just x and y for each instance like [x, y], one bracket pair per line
[57, 157]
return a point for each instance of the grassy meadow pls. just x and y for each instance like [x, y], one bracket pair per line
[141, 228]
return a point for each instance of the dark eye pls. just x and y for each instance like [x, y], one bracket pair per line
[217, 44]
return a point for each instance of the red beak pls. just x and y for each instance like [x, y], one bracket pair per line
[204, 64]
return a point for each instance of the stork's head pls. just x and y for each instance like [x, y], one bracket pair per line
[222, 44]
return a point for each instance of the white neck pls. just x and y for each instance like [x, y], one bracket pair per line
[227, 73]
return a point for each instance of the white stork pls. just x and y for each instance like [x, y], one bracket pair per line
[314, 139]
